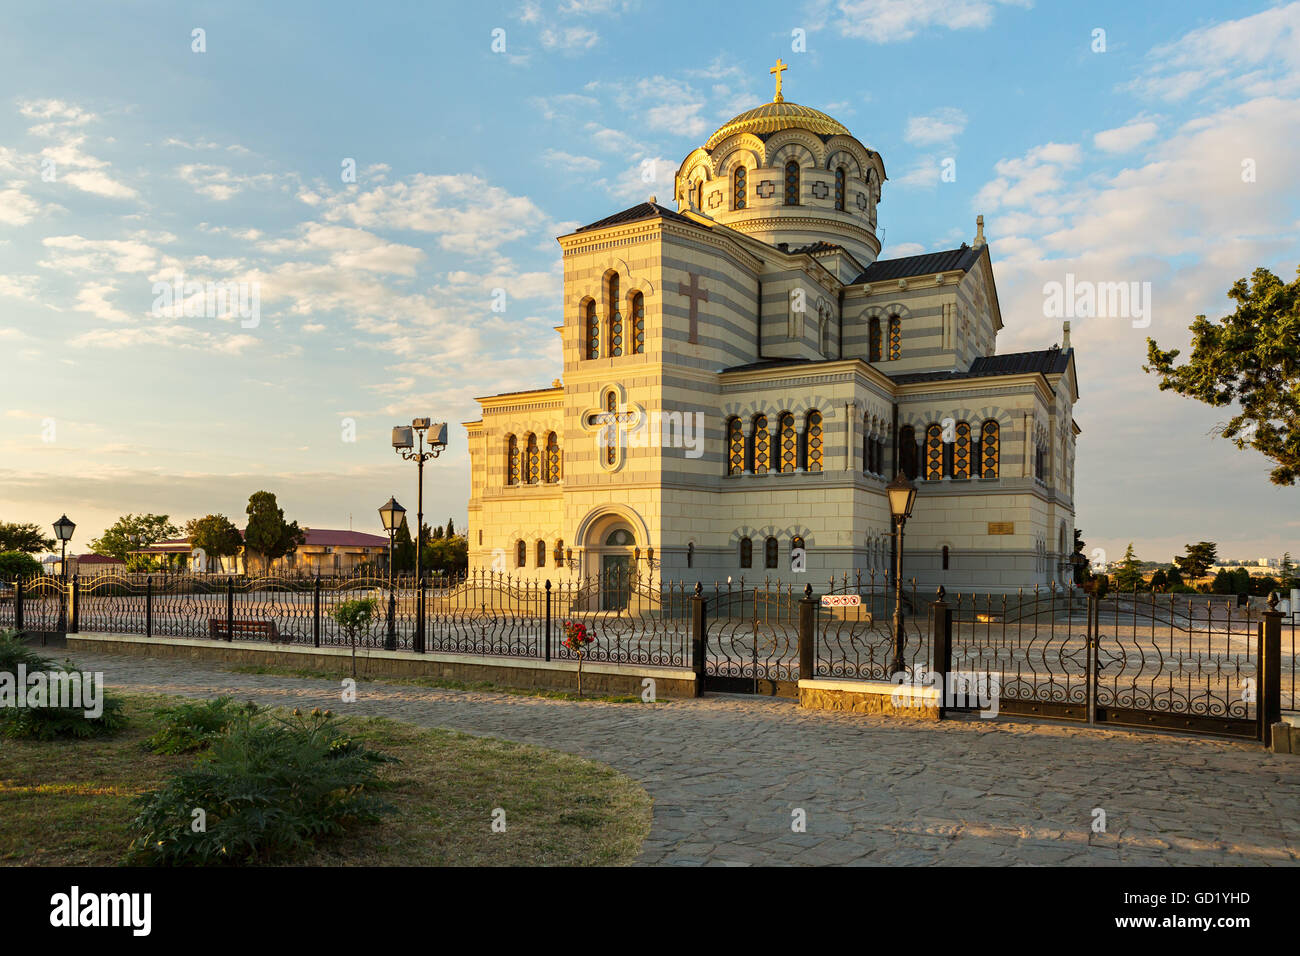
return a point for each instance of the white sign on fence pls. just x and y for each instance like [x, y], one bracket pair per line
[841, 600]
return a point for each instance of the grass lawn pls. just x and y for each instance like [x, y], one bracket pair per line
[70, 802]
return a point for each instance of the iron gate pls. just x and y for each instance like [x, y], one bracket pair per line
[752, 643]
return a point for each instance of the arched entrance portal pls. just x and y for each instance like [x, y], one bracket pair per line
[611, 544]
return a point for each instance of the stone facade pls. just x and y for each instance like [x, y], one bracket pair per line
[686, 331]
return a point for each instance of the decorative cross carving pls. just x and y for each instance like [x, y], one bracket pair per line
[777, 71]
[610, 425]
[697, 295]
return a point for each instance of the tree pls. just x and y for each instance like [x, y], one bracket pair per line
[403, 549]
[216, 535]
[1174, 578]
[449, 556]
[17, 564]
[1263, 586]
[1249, 357]
[1196, 562]
[1128, 577]
[1159, 582]
[1240, 581]
[132, 533]
[26, 538]
[451, 528]
[1286, 571]
[267, 533]
[355, 617]
[1222, 583]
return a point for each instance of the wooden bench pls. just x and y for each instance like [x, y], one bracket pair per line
[219, 630]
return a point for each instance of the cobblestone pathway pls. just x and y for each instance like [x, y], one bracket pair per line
[726, 773]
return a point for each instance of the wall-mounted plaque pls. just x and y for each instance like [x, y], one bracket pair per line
[1002, 527]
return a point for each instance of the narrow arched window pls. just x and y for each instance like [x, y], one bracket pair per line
[895, 338]
[789, 444]
[512, 460]
[735, 447]
[521, 554]
[792, 183]
[907, 451]
[934, 453]
[552, 458]
[945, 557]
[638, 323]
[541, 553]
[762, 446]
[690, 555]
[615, 347]
[873, 339]
[839, 188]
[591, 324]
[738, 189]
[558, 553]
[534, 461]
[961, 452]
[868, 446]
[746, 553]
[813, 442]
[989, 449]
[770, 548]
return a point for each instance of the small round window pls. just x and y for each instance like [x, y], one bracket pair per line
[620, 538]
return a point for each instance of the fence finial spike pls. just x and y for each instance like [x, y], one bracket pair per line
[807, 590]
[1272, 600]
[699, 588]
[942, 593]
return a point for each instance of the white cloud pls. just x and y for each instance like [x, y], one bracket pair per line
[570, 162]
[1121, 139]
[219, 182]
[888, 21]
[78, 255]
[569, 39]
[93, 298]
[99, 183]
[351, 249]
[942, 126]
[16, 207]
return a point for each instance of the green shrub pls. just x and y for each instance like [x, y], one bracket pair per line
[16, 564]
[193, 726]
[14, 652]
[51, 723]
[268, 789]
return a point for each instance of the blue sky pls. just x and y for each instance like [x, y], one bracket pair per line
[127, 158]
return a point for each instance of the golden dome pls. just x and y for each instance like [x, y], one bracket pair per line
[771, 117]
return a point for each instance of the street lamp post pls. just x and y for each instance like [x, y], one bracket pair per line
[406, 444]
[63, 529]
[391, 514]
[902, 495]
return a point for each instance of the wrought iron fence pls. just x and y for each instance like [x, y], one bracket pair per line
[857, 640]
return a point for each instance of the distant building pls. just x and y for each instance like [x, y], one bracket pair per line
[325, 551]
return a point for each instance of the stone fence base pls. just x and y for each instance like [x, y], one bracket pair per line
[598, 678]
[869, 697]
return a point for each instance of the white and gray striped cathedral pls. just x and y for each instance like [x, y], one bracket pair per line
[743, 376]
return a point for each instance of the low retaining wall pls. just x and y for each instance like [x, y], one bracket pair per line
[868, 697]
[598, 678]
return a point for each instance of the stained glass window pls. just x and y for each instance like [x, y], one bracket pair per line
[593, 331]
[746, 553]
[762, 446]
[934, 453]
[534, 461]
[792, 183]
[814, 441]
[789, 444]
[839, 188]
[895, 339]
[615, 347]
[873, 339]
[961, 452]
[512, 460]
[738, 188]
[541, 553]
[611, 406]
[735, 447]
[638, 323]
[769, 553]
[521, 553]
[552, 458]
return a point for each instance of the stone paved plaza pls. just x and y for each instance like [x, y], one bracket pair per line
[726, 773]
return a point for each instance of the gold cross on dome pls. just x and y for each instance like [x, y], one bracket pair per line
[777, 71]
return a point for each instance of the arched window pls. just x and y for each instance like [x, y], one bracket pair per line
[839, 188]
[770, 548]
[558, 554]
[792, 183]
[611, 409]
[873, 339]
[738, 188]
[638, 323]
[762, 446]
[895, 338]
[789, 444]
[934, 453]
[945, 557]
[989, 452]
[690, 554]
[615, 347]
[746, 553]
[534, 461]
[814, 440]
[592, 326]
[541, 553]
[907, 451]
[512, 460]
[961, 452]
[480, 537]
[521, 553]
[552, 458]
[735, 447]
